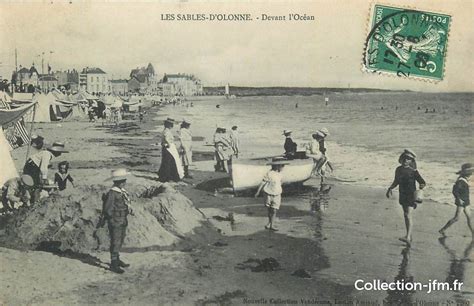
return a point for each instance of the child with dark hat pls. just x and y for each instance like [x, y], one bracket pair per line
[406, 178]
[461, 197]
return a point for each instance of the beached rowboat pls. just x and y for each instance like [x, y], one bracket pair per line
[248, 173]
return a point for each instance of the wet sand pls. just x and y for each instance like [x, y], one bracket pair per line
[326, 241]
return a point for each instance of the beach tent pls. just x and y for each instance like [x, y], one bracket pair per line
[112, 101]
[22, 97]
[7, 165]
[6, 162]
[50, 109]
[4, 97]
[133, 104]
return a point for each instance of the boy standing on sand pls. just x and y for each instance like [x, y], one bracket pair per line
[406, 178]
[271, 185]
[115, 211]
[461, 197]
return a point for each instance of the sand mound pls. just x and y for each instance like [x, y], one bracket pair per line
[68, 220]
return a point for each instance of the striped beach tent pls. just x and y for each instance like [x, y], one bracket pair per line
[18, 130]
[7, 117]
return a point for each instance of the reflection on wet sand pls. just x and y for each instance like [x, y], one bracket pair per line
[319, 199]
[457, 268]
[402, 297]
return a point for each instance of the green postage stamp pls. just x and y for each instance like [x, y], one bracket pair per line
[407, 43]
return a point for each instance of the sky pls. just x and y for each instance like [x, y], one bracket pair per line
[119, 36]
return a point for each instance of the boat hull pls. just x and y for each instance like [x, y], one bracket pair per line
[249, 173]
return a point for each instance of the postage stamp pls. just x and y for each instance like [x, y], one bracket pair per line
[407, 43]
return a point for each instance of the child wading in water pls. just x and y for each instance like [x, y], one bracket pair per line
[271, 185]
[406, 178]
[461, 197]
[62, 176]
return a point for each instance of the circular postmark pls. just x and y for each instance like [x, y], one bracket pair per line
[407, 42]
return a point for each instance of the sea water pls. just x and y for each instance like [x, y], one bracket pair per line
[368, 131]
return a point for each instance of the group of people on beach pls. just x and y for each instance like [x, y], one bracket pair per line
[406, 177]
[34, 182]
[175, 160]
[227, 146]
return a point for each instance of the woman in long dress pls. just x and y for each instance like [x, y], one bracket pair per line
[171, 168]
[186, 151]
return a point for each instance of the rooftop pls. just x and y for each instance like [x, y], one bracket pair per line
[93, 70]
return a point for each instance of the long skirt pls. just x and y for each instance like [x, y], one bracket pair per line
[168, 168]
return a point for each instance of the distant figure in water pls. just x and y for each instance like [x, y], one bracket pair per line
[296, 105]
[426, 111]
[271, 185]
[461, 198]
[381, 107]
[290, 146]
[434, 110]
[396, 107]
[419, 108]
[218, 106]
[406, 178]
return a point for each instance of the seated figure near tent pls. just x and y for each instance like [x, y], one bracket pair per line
[16, 192]
[62, 176]
[37, 167]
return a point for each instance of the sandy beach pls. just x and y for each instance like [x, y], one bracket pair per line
[326, 242]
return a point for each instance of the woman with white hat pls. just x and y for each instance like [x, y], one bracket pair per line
[37, 166]
[171, 168]
[461, 197]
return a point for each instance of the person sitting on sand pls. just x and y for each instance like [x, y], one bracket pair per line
[271, 185]
[15, 192]
[37, 167]
[406, 178]
[461, 198]
[289, 146]
[170, 168]
[186, 149]
[62, 176]
[115, 211]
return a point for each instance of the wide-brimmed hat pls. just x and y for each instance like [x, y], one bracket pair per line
[318, 133]
[324, 131]
[37, 140]
[186, 122]
[58, 147]
[466, 169]
[170, 120]
[287, 132]
[118, 175]
[27, 180]
[408, 153]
